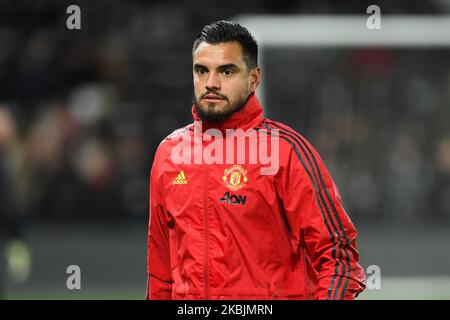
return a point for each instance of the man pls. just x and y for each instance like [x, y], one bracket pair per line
[222, 229]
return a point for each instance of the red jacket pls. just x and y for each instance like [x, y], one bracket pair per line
[226, 231]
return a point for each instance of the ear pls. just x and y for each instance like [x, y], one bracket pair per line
[254, 79]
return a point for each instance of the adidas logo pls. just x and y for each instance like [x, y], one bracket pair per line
[180, 178]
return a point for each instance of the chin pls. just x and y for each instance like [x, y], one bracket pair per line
[212, 111]
[214, 106]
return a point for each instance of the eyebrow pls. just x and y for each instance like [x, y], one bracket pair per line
[222, 67]
[228, 66]
[200, 66]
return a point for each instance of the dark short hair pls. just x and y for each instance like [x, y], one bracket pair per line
[228, 31]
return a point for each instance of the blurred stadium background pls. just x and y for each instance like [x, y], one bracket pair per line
[82, 112]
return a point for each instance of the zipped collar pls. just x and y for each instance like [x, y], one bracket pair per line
[248, 117]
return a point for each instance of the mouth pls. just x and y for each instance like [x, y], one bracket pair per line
[212, 98]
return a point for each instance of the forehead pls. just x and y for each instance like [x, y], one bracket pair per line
[218, 54]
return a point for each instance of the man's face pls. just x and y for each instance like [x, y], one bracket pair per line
[222, 81]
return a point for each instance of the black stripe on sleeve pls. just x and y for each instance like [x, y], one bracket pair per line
[338, 259]
[301, 141]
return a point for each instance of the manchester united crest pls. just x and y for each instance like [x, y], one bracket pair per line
[235, 177]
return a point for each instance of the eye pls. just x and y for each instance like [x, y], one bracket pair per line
[201, 71]
[228, 72]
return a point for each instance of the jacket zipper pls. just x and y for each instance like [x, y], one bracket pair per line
[206, 269]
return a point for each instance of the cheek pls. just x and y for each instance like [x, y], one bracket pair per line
[244, 87]
[198, 86]
[237, 88]
[196, 81]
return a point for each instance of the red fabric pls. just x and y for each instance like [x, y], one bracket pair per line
[288, 237]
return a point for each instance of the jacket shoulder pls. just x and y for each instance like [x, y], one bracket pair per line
[173, 138]
[289, 136]
[272, 124]
[177, 134]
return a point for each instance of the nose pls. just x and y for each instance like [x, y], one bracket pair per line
[213, 82]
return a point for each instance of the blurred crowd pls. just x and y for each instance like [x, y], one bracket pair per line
[381, 121]
[82, 112]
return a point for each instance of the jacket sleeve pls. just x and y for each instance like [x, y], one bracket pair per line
[159, 280]
[319, 223]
